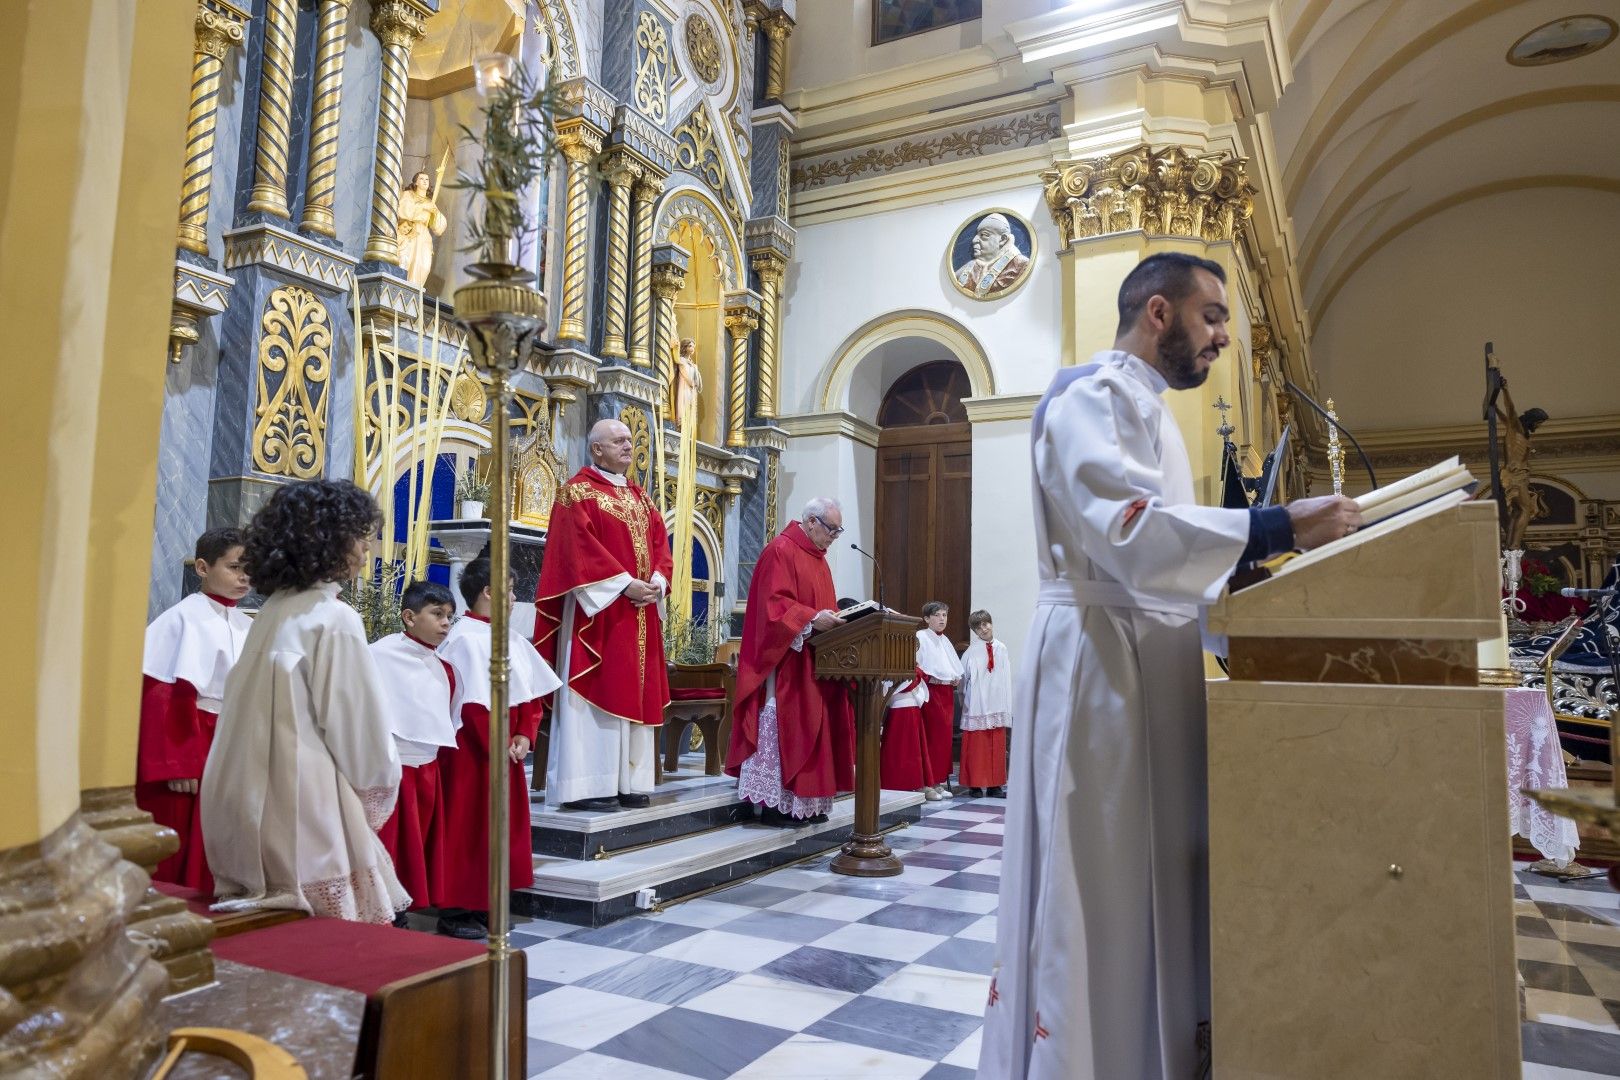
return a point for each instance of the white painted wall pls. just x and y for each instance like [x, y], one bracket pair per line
[1003, 530]
[846, 470]
[847, 273]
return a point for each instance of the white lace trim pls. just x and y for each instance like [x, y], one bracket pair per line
[987, 722]
[378, 804]
[1536, 761]
[760, 778]
[363, 896]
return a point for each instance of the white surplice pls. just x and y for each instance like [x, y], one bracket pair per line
[1102, 929]
[197, 641]
[303, 769]
[987, 697]
[417, 688]
[594, 754]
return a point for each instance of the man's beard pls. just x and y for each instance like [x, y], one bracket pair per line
[1178, 361]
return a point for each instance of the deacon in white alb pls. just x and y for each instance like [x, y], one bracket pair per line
[1102, 944]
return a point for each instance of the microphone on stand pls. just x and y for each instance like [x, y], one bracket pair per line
[1587, 594]
[1372, 478]
[877, 570]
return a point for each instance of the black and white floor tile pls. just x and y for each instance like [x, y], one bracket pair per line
[803, 974]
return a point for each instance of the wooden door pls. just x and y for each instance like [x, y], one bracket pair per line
[925, 494]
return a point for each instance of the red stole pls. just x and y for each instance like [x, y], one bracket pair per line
[815, 721]
[616, 658]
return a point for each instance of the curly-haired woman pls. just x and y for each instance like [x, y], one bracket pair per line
[303, 770]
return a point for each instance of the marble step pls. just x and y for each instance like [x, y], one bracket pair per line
[595, 892]
[684, 803]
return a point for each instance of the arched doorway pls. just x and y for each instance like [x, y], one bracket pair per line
[924, 503]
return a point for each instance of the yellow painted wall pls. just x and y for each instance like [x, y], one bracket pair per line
[92, 115]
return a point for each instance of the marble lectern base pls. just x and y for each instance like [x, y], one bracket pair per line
[1361, 891]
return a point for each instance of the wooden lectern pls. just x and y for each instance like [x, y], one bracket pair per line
[868, 651]
[1361, 897]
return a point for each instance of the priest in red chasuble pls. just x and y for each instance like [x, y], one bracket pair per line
[597, 622]
[792, 735]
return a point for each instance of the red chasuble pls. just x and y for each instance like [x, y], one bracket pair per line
[815, 720]
[616, 659]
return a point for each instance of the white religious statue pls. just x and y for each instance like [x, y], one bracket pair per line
[1102, 932]
[997, 264]
[420, 220]
[686, 386]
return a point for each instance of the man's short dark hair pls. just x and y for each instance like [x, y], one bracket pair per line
[475, 579]
[1168, 274]
[419, 594]
[214, 544]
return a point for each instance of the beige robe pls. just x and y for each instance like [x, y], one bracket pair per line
[419, 222]
[303, 769]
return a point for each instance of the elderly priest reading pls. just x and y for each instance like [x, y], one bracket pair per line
[1102, 943]
[792, 735]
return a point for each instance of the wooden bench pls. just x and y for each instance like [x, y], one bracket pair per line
[427, 997]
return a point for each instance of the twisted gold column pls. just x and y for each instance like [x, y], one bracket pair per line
[579, 145]
[275, 108]
[647, 191]
[215, 34]
[667, 281]
[740, 322]
[621, 171]
[397, 25]
[323, 136]
[770, 267]
[777, 28]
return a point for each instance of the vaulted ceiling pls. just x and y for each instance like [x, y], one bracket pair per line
[1442, 197]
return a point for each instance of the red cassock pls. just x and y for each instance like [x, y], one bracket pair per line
[599, 531]
[174, 739]
[412, 835]
[815, 719]
[463, 819]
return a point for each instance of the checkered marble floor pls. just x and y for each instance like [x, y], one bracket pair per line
[802, 973]
[1569, 955]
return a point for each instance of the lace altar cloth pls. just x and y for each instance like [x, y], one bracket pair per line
[1534, 760]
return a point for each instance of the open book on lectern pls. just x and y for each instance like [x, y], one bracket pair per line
[1393, 506]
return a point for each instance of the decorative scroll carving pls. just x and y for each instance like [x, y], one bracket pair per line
[783, 175]
[1029, 129]
[1167, 192]
[710, 506]
[640, 442]
[772, 463]
[698, 152]
[702, 48]
[652, 68]
[295, 359]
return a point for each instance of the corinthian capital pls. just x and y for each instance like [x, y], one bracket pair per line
[217, 29]
[1167, 192]
[398, 22]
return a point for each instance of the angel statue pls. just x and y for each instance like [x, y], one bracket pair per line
[688, 384]
[420, 220]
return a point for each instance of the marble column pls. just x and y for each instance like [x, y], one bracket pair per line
[274, 135]
[397, 24]
[218, 28]
[771, 267]
[323, 137]
[778, 26]
[742, 319]
[579, 144]
[669, 265]
[648, 190]
[621, 171]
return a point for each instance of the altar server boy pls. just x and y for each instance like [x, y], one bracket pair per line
[303, 771]
[986, 710]
[190, 648]
[463, 896]
[417, 685]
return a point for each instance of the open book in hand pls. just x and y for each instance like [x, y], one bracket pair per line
[1428, 492]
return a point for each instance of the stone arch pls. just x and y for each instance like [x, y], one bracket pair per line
[565, 43]
[838, 392]
[690, 202]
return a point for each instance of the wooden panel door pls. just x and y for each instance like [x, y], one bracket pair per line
[924, 518]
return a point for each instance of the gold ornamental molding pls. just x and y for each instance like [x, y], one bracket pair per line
[1167, 192]
[697, 150]
[198, 294]
[1034, 128]
[621, 170]
[640, 443]
[773, 466]
[651, 90]
[297, 255]
[742, 319]
[295, 363]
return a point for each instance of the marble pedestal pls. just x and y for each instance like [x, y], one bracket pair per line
[1361, 892]
[464, 539]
